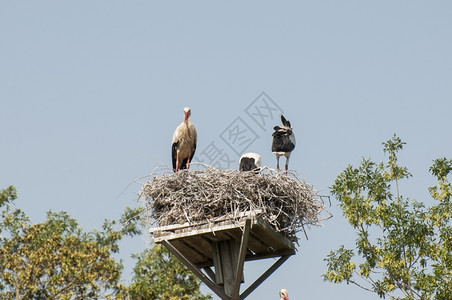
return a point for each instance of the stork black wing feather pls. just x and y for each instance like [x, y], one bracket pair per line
[281, 142]
[174, 154]
[285, 122]
[277, 143]
[247, 164]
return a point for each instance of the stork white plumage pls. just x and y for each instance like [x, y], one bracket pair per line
[283, 294]
[184, 143]
[250, 162]
[283, 142]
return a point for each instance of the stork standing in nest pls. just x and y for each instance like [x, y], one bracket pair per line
[283, 142]
[184, 143]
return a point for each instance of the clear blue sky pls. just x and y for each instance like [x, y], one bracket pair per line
[91, 92]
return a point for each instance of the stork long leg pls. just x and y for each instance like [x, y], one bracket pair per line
[277, 163]
[188, 162]
[287, 162]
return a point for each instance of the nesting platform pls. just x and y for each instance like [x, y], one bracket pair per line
[215, 220]
[225, 245]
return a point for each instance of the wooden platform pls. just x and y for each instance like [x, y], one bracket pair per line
[226, 245]
[196, 241]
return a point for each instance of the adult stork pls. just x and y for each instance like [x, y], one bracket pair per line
[283, 142]
[184, 143]
[250, 162]
[283, 294]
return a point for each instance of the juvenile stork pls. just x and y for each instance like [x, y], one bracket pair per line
[250, 162]
[283, 294]
[184, 143]
[283, 142]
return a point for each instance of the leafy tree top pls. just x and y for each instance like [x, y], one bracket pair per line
[403, 249]
[55, 259]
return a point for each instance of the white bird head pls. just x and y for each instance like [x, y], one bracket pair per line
[187, 113]
[284, 294]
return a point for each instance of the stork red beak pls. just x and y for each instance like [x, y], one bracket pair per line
[185, 116]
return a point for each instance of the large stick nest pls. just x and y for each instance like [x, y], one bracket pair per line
[285, 202]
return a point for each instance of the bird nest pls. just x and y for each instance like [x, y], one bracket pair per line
[284, 202]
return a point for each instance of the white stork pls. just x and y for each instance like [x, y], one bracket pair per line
[283, 142]
[184, 143]
[283, 294]
[250, 162]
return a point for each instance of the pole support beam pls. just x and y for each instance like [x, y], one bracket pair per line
[214, 287]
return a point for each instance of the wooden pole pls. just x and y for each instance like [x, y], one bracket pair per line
[241, 260]
[227, 265]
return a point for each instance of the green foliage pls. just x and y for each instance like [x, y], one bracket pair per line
[404, 248]
[340, 261]
[55, 259]
[7, 195]
[159, 275]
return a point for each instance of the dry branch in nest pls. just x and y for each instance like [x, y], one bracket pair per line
[284, 202]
